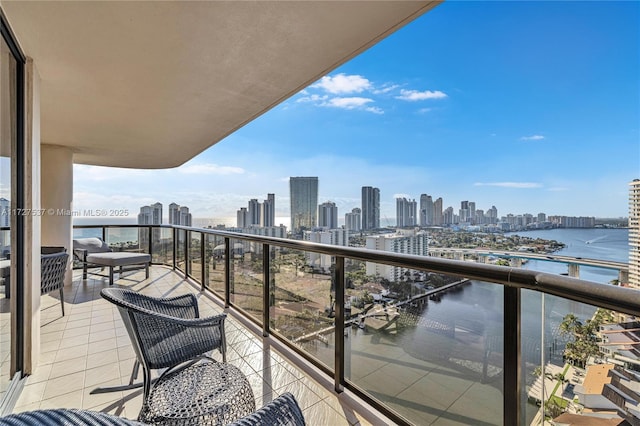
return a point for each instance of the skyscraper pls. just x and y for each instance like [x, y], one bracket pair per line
[303, 193]
[185, 216]
[353, 220]
[150, 215]
[269, 211]
[634, 233]
[328, 215]
[254, 212]
[406, 212]
[438, 218]
[370, 208]
[174, 214]
[426, 210]
[242, 218]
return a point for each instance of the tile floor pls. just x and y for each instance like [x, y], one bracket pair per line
[88, 348]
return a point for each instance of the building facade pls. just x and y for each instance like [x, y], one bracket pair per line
[353, 220]
[634, 233]
[328, 215]
[403, 241]
[406, 211]
[370, 208]
[303, 193]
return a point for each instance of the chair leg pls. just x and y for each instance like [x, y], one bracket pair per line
[110, 275]
[146, 270]
[84, 270]
[134, 372]
[62, 298]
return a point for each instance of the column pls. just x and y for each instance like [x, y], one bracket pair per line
[57, 199]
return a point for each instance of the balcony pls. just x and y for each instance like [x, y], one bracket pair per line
[409, 361]
[89, 348]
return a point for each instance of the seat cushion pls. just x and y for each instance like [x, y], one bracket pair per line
[120, 258]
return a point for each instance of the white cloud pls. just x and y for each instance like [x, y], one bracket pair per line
[386, 88]
[210, 169]
[424, 110]
[415, 95]
[532, 138]
[374, 110]
[313, 98]
[510, 184]
[343, 83]
[347, 103]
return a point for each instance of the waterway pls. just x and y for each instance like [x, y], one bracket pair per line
[445, 362]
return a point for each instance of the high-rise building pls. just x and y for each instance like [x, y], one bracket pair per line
[242, 218]
[303, 193]
[472, 211]
[269, 211]
[406, 212]
[448, 217]
[5, 206]
[185, 216]
[426, 210]
[328, 215]
[634, 233]
[403, 241]
[438, 218]
[150, 215]
[492, 215]
[254, 212]
[174, 214]
[336, 237]
[370, 208]
[353, 220]
[464, 211]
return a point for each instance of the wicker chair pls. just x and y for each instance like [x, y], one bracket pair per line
[65, 417]
[167, 333]
[53, 268]
[282, 411]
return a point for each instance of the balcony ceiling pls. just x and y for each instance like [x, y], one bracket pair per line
[153, 84]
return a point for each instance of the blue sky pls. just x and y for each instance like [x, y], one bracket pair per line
[528, 106]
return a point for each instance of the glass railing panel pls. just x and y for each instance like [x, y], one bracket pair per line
[180, 249]
[87, 232]
[589, 359]
[428, 346]
[302, 302]
[162, 243]
[195, 255]
[246, 286]
[134, 239]
[215, 260]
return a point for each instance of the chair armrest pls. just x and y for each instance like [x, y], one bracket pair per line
[80, 254]
[284, 410]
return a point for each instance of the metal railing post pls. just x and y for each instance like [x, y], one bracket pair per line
[339, 324]
[512, 366]
[203, 263]
[227, 271]
[175, 246]
[151, 243]
[187, 246]
[266, 290]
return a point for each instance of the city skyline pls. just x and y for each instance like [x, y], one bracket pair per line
[531, 122]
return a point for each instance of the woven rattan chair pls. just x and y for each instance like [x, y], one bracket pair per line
[167, 333]
[282, 411]
[53, 268]
[65, 417]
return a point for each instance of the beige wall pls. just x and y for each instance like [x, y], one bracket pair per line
[57, 198]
